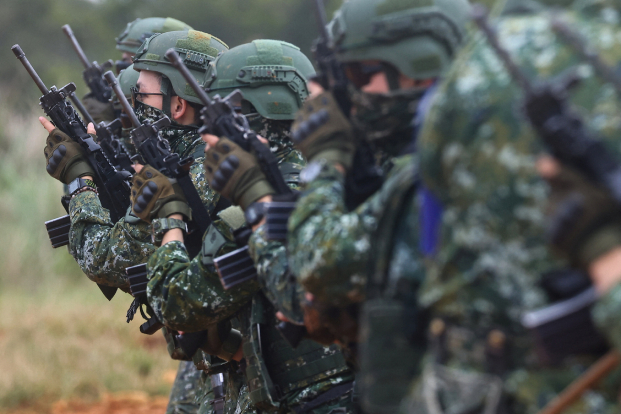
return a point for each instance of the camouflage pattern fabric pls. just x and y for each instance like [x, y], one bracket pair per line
[185, 390]
[204, 395]
[280, 287]
[329, 246]
[187, 295]
[103, 249]
[478, 156]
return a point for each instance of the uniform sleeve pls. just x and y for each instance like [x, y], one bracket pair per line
[278, 284]
[103, 249]
[328, 246]
[186, 294]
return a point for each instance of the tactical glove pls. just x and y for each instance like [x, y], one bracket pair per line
[235, 174]
[322, 131]
[585, 222]
[66, 159]
[155, 195]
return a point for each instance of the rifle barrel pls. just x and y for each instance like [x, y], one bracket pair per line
[19, 53]
[322, 19]
[114, 84]
[579, 43]
[76, 46]
[176, 61]
[480, 17]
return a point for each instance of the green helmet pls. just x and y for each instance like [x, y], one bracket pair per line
[418, 37]
[139, 30]
[197, 50]
[271, 74]
[127, 78]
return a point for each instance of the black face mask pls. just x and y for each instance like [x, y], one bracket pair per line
[386, 119]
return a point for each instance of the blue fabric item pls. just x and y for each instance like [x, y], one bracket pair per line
[430, 217]
[423, 109]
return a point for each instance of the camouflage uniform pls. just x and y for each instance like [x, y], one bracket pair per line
[478, 156]
[186, 390]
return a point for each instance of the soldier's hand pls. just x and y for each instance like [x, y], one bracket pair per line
[322, 131]
[584, 221]
[65, 159]
[235, 173]
[155, 195]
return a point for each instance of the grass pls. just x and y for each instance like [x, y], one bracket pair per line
[59, 337]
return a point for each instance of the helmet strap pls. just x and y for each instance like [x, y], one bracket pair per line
[166, 89]
[392, 76]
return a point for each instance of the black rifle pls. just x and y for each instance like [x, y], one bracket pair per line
[107, 138]
[560, 127]
[219, 118]
[93, 72]
[113, 185]
[155, 151]
[331, 74]
[58, 229]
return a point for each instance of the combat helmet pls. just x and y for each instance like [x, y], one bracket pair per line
[139, 30]
[418, 37]
[127, 78]
[196, 49]
[271, 74]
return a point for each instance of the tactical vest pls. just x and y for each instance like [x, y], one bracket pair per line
[275, 369]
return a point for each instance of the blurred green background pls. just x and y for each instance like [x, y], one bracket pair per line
[59, 337]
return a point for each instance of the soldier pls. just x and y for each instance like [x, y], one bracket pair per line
[333, 247]
[128, 42]
[492, 268]
[104, 249]
[189, 295]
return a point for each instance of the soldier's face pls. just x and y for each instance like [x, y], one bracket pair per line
[149, 83]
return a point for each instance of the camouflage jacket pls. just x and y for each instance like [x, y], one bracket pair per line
[104, 249]
[187, 294]
[329, 246]
[478, 156]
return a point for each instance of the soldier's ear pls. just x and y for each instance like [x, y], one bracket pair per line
[178, 109]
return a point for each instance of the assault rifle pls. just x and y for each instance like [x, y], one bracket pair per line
[560, 127]
[93, 72]
[155, 151]
[107, 138]
[58, 229]
[331, 75]
[113, 185]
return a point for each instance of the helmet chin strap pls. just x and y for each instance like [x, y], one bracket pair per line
[392, 76]
[167, 90]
